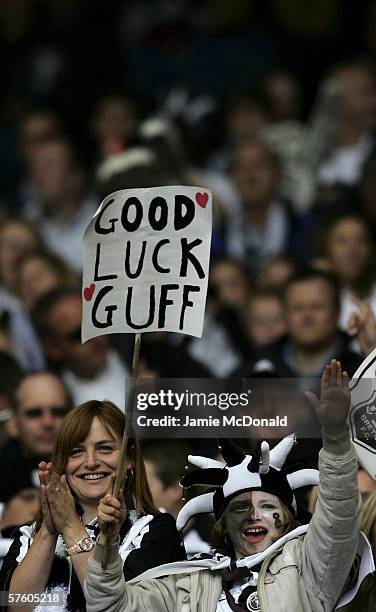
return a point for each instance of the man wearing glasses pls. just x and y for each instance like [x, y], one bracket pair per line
[40, 403]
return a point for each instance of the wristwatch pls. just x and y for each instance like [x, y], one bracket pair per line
[83, 545]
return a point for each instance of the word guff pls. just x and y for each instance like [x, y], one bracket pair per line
[157, 303]
[156, 253]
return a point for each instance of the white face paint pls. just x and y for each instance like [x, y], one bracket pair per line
[254, 520]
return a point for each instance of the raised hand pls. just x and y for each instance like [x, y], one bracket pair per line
[334, 404]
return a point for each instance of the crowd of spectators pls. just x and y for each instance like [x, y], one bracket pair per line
[164, 93]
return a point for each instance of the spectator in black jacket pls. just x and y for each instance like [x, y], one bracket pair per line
[264, 226]
[311, 301]
[39, 405]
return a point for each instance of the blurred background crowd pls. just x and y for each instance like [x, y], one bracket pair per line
[271, 105]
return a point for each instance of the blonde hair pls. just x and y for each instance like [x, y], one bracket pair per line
[369, 514]
[312, 499]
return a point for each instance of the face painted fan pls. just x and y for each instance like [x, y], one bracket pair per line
[261, 472]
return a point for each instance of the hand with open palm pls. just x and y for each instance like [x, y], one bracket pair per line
[334, 404]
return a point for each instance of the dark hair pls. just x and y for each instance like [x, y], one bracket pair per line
[369, 169]
[57, 264]
[29, 226]
[241, 268]
[75, 157]
[253, 98]
[264, 294]
[43, 306]
[169, 458]
[29, 112]
[225, 259]
[260, 143]
[114, 95]
[330, 221]
[30, 376]
[11, 374]
[366, 279]
[309, 274]
[155, 174]
[354, 63]
[282, 258]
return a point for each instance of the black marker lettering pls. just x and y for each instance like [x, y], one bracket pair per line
[151, 309]
[165, 302]
[97, 276]
[154, 258]
[186, 256]
[183, 220]
[186, 302]
[105, 230]
[131, 226]
[127, 265]
[108, 309]
[163, 215]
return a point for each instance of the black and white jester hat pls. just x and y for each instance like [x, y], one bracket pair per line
[261, 472]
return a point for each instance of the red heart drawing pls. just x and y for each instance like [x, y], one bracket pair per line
[202, 199]
[89, 291]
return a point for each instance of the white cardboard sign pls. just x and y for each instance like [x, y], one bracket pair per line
[362, 416]
[145, 262]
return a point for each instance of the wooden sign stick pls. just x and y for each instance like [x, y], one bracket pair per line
[121, 471]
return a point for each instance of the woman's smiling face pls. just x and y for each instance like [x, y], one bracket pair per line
[91, 463]
[254, 520]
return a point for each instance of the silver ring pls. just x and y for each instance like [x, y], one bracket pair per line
[57, 488]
